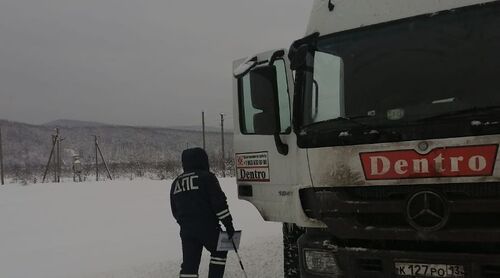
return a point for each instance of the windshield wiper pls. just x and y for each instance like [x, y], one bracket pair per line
[372, 132]
[472, 110]
[339, 119]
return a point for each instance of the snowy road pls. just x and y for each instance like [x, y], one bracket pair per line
[115, 229]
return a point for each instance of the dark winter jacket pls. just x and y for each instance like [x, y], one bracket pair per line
[196, 198]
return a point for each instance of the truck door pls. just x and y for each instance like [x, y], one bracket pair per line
[265, 147]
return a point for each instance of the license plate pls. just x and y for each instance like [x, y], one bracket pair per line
[429, 270]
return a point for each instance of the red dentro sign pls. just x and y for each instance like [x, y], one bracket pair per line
[466, 161]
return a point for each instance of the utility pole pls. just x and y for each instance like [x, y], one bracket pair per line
[1, 159]
[50, 158]
[98, 151]
[58, 164]
[96, 161]
[203, 127]
[54, 159]
[104, 162]
[222, 143]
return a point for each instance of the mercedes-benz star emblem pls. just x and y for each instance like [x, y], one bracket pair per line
[427, 211]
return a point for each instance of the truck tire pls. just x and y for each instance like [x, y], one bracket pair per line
[291, 234]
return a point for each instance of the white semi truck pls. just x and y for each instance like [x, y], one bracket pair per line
[374, 139]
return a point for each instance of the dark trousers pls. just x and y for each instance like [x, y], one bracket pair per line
[193, 242]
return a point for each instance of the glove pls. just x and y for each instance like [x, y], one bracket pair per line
[230, 231]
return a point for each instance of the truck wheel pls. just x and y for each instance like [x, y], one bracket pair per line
[291, 234]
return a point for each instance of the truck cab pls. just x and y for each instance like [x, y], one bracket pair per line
[376, 137]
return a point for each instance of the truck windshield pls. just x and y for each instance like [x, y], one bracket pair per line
[401, 72]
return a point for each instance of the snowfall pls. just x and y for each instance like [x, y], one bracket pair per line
[116, 229]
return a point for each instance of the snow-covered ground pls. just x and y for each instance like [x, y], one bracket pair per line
[115, 229]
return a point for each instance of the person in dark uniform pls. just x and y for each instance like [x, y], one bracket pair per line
[198, 204]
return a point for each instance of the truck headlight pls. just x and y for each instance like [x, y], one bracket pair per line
[320, 261]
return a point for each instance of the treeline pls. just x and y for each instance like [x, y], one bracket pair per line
[160, 170]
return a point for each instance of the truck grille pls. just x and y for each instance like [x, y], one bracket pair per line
[453, 191]
[473, 211]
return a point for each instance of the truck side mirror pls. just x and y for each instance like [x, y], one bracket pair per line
[264, 88]
[300, 49]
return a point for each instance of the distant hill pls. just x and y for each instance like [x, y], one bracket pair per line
[76, 123]
[73, 123]
[26, 144]
[200, 128]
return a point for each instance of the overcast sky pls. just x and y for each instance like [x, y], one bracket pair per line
[133, 62]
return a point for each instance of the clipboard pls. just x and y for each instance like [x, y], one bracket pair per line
[224, 244]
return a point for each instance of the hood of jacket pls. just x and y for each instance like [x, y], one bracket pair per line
[195, 159]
